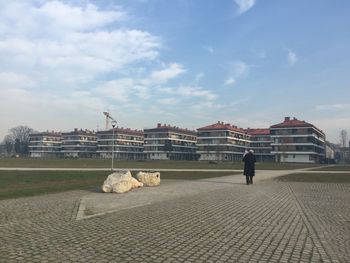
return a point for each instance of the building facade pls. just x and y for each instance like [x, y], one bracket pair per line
[3, 150]
[128, 144]
[166, 142]
[79, 144]
[260, 142]
[222, 142]
[297, 141]
[45, 144]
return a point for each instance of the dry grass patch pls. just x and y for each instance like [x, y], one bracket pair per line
[316, 178]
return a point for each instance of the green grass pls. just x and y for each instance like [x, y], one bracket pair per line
[105, 163]
[14, 184]
[316, 178]
[334, 168]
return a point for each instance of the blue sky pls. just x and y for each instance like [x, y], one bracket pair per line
[187, 63]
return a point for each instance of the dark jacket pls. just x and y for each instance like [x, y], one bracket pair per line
[249, 164]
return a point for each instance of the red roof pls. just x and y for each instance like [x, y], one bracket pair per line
[288, 122]
[168, 128]
[80, 132]
[122, 130]
[258, 131]
[222, 126]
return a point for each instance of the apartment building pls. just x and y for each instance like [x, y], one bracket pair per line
[222, 142]
[3, 150]
[297, 141]
[79, 144]
[45, 144]
[128, 144]
[167, 142]
[260, 142]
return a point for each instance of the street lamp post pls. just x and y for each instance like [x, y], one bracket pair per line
[113, 125]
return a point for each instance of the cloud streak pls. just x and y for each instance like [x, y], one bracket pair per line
[238, 70]
[69, 44]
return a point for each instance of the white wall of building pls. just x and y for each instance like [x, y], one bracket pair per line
[296, 158]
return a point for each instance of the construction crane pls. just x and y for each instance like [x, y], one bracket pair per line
[109, 118]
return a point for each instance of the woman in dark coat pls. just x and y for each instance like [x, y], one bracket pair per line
[249, 166]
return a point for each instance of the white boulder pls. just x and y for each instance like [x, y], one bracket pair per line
[127, 185]
[149, 178]
[120, 182]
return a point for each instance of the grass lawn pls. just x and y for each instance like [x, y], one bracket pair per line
[316, 178]
[14, 184]
[334, 168]
[105, 163]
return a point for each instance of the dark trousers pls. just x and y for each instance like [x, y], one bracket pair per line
[249, 179]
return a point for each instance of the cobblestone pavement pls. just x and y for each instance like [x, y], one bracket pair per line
[269, 221]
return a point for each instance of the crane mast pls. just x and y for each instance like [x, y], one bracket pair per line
[109, 118]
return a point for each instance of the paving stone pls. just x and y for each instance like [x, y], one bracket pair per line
[268, 222]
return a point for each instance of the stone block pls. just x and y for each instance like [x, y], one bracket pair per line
[120, 182]
[149, 178]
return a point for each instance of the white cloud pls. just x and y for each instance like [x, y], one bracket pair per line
[79, 18]
[124, 89]
[69, 44]
[164, 75]
[119, 89]
[191, 92]
[330, 107]
[238, 70]
[230, 81]
[10, 80]
[77, 101]
[27, 17]
[292, 58]
[244, 5]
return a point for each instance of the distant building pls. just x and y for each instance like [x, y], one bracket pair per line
[222, 142]
[260, 142]
[45, 144]
[297, 141]
[166, 142]
[342, 154]
[79, 144]
[128, 144]
[3, 151]
[330, 153]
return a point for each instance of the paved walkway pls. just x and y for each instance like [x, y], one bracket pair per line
[212, 220]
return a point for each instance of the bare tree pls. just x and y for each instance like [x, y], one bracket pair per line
[9, 144]
[19, 138]
[343, 138]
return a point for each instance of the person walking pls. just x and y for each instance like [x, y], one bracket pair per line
[249, 166]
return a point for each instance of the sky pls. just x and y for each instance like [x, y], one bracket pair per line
[187, 63]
